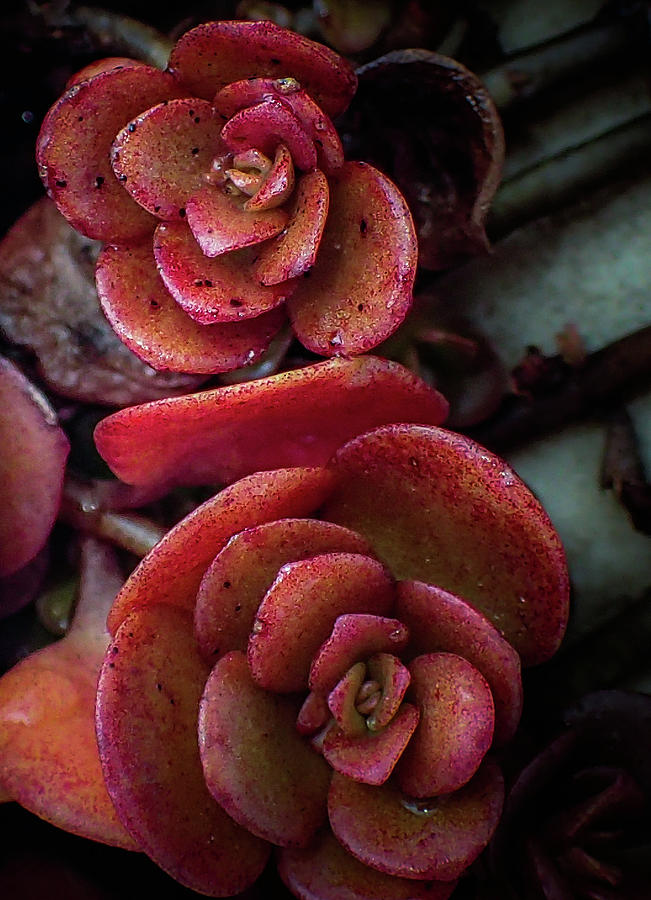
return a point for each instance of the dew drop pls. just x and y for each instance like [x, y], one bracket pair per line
[257, 627]
[418, 807]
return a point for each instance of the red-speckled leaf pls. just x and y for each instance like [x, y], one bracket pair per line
[97, 66]
[278, 184]
[218, 53]
[74, 143]
[354, 637]
[162, 156]
[371, 757]
[244, 570]
[291, 419]
[325, 871]
[148, 320]
[394, 679]
[265, 126]
[462, 519]
[318, 126]
[440, 621]
[456, 725]
[48, 752]
[436, 838]
[313, 714]
[256, 764]
[299, 610]
[171, 574]
[360, 288]
[294, 251]
[147, 706]
[222, 289]
[220, 223]
[342, 701]
[32, 466]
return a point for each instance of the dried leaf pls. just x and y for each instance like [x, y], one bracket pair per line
[48, 303]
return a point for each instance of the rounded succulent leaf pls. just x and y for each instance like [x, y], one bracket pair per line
[255, 763]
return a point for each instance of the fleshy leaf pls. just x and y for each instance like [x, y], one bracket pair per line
[169, 574]
[278, 185]
[240, 94]
[371, 757]
[360, 288]
[74, 143]
[341, 701]
[299, 610]
[461, 519]
[32, 466]
[218, 53]
[436, 838]
[220, 223]
[354, 637]
[147, 706]
[222, 289]
[325, 871]
[148, 320]
[298, 418]
[440, 621]
[265, 126]
[163, 156]
[48, 752]
[394, 679]
[263, 773]
[456, 725]
[243, 571]
[294, 251]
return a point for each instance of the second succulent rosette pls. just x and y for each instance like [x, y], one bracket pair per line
[220, 190]
[322, 657]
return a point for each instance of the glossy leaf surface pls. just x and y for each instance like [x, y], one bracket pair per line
[440, 621]
[48, 751]
[213, 55]
[147, 706]
[298, 418]
[223, 289]
[74, 143]
[264, 774]
[299, 610]
[360, 287]
[325, 871]
[436, 838]
[163, 155]
[244, 570]
[455, 729]
[220, 223]
[461, 519]
[148, 320]
[169, 574]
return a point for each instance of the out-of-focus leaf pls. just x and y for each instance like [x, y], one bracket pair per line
[430, 124]
[48, 303]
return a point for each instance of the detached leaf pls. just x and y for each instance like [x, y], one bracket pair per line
[48, 303]
[442, 144]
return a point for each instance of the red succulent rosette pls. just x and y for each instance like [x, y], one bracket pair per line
[318, 661]
[320, 658]
[220, 190]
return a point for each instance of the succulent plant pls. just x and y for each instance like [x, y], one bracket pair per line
[347, 632]
[220, 190]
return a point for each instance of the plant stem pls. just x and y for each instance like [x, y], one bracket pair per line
[607, 378]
